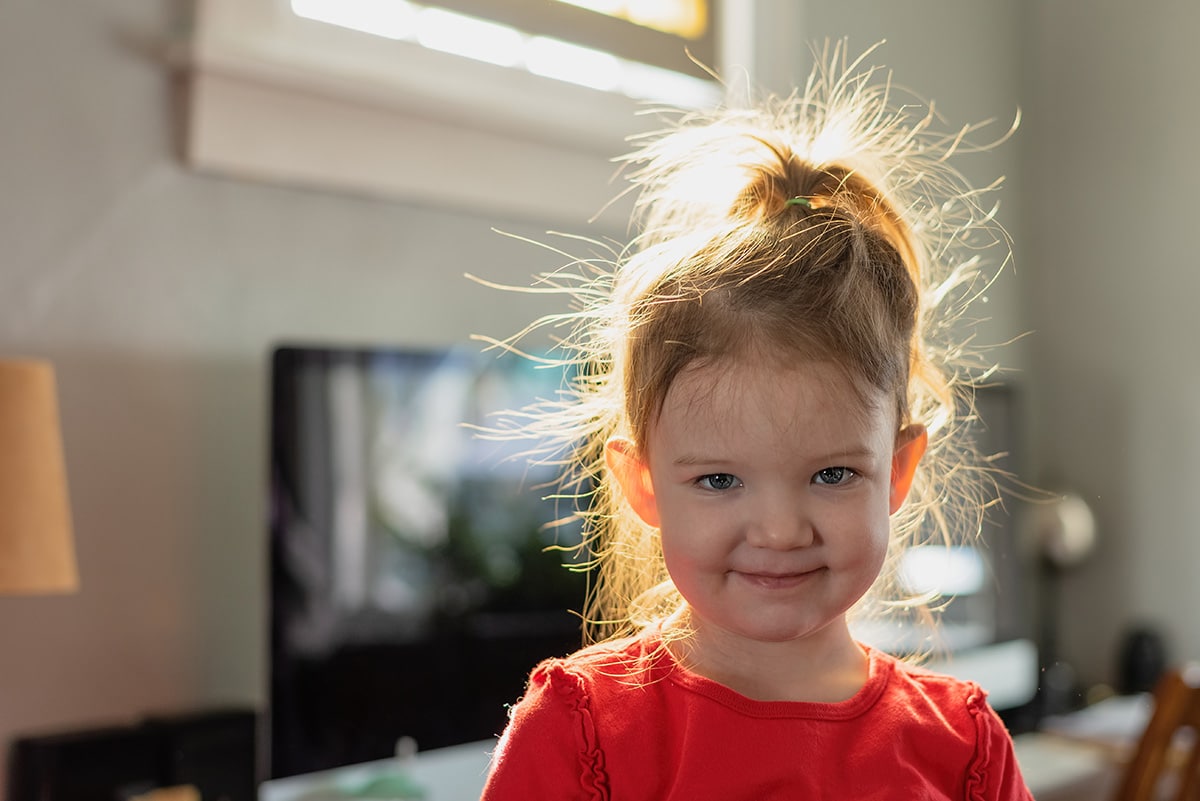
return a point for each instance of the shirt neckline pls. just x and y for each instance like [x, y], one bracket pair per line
[879, 671]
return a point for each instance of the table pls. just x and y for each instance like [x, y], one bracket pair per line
[1076, 757]
[456, 773]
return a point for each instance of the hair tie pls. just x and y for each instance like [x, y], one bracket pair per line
[799, 201]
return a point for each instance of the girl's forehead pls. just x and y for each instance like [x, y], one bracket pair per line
[747, 378]
[773, 387]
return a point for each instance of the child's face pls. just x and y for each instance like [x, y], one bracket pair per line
[773, 490]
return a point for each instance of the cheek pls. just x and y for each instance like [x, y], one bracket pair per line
[679, 550]
[878, 547]
[690, 541]
[869, 529]
[681, 563]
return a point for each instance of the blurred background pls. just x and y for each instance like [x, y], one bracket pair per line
[182, 187]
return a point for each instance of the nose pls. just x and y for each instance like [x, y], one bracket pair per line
[780, 522]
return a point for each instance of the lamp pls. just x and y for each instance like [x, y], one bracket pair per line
[37, 553]
[1065, 532]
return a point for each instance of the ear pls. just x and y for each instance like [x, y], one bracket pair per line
[633, 475]
[910, 447]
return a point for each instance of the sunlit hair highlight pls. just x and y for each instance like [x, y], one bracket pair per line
[868, 271]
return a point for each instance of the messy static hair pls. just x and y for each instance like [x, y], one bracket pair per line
[822, 226]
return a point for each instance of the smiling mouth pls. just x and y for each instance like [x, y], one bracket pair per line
[776, 581]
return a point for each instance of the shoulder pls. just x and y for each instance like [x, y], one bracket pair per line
[952, 716]
[599, 688]
[554, 736]
[595, 665]
[909, 679]
[932, 700]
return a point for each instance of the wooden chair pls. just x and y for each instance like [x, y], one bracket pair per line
[1176, 707]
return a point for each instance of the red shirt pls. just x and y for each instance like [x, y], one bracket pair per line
[624, 721]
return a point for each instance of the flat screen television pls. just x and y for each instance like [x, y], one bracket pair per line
[411, 589]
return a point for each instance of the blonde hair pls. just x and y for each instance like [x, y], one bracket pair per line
[825, 225]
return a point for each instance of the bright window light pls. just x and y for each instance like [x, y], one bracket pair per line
[942, 570]
[554, 58]
[610, 8]
[648, 82]
[687, 18]
[483, 40]
[393, 19]
[470, 37]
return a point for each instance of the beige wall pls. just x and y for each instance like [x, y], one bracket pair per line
[158, 293]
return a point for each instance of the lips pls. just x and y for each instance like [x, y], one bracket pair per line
[776, 580]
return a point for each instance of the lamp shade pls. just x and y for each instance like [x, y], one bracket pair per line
[37, 553]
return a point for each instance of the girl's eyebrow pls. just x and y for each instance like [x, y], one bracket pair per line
[691, 460]
[850, 454]
[862, 452]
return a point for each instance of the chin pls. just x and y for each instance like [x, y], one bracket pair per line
[785, 631]
[782, 631]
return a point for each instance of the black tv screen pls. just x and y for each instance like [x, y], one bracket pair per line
[411, 586]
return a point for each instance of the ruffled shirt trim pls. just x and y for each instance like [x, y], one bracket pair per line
[569, 686]
[977, 785]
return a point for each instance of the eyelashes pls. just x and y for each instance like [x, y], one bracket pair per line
[718, 482]
[829, 477]
[833, 476]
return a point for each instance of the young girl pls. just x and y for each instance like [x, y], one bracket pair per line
[759, 393]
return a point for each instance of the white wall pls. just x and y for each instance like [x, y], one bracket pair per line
[1112, 172]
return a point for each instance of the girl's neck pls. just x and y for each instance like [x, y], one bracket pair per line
[825, 667]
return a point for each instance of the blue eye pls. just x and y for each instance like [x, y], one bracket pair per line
[833, 476]
[718, 481]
